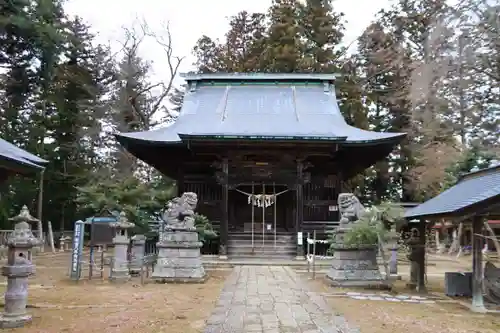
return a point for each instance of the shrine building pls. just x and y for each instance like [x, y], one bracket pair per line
[267, 155]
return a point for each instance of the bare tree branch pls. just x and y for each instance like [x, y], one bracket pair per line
[165, 41]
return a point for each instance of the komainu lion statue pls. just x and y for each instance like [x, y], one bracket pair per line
[350, 208]
[180, 211]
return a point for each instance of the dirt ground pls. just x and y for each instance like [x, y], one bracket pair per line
[446, 315]
[59, 305]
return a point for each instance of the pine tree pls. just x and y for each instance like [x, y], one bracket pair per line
[16, 57]
[29, 30]
[284, 47]
[410, 42]
[241, 50]
[78, 85]
[322, 30]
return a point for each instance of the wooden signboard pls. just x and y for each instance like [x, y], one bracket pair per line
[100, 231]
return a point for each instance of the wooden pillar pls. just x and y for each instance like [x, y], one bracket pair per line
[477, 265]
[421, 257]
[224, 227]
[180, 183]
[299, 218]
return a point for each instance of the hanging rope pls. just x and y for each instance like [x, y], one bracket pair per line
[261, 200]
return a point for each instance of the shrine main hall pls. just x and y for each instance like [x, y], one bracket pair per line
[267, 154]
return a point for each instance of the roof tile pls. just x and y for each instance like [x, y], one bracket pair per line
[286, 111]
[469, 191]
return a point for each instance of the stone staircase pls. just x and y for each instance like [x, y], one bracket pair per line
[240, 245]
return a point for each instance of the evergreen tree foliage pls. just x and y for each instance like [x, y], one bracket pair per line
[429, 68]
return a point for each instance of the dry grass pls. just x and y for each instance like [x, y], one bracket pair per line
[97, 306]
[392, 317]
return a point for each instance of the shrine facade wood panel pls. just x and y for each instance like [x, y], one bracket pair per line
[209, 198]
[320, 204]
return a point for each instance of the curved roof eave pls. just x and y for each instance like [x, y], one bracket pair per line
[147, 138]
[19, 165]
[8, 149]
[393, 137]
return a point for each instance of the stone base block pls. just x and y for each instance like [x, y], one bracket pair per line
[395, 277]
[365, 284]
[14, 322]
[182, 267]
[356, 267]
[181, 280]
[119, 276]
[164, 274]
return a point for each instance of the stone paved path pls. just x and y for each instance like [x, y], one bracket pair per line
[272, 299]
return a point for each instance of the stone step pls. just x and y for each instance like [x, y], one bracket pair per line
[244, 257]
[258, 242]
[283, 237]
[249, 249]
[269, 233]
[263, 252]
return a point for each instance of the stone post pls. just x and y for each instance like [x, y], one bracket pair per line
[19, 267]
[392, 246]
[121, 241]
[137, 257]
[393, 262]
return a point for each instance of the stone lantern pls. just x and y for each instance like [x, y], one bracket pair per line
[119, 266]
[19, 267]
[25, 216]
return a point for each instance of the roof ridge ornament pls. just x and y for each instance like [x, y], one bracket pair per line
[326, 86]
[193, 85]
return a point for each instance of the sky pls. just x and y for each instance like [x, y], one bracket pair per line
[189, 20]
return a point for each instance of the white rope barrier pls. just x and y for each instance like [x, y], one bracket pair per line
[311, 257]
[317, 241]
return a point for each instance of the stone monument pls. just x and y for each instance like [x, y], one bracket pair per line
[19, 267]
[119, 265]
[179, 257]
[137, 254]
[353, 265]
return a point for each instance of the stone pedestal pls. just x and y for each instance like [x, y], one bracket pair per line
[354, 266]
[17, 270]
[16, 296]
[179, 257]
[119, 263]
[137, 254]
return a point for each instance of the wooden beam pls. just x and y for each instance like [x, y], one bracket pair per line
[477, 264]
[299, 220]
[224, 230]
